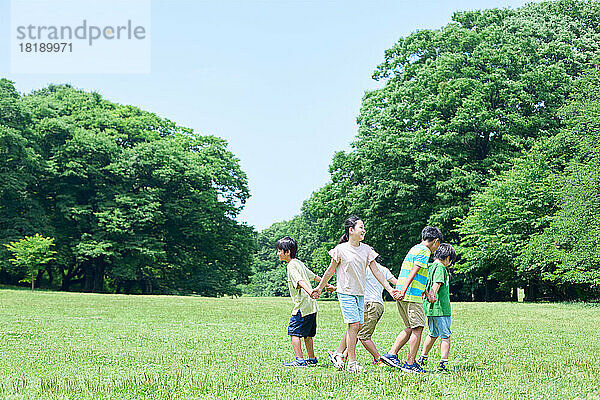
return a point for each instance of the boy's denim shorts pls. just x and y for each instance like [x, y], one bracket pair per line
[439, 326]
[353, 307]
[303, 326]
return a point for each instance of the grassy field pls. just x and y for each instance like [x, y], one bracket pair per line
[86, 346]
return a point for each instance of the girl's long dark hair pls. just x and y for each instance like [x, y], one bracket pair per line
[349, 223]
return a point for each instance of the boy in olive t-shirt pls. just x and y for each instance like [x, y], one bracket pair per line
[303, 322]
[438, 313]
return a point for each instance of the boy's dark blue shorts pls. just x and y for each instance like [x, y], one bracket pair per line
[303, 326]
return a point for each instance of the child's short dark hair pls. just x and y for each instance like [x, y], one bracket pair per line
[287, 244]
[444, 251]
[430, 233]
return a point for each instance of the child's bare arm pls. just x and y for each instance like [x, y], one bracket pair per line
[434, 289]
[430, 297]
[393, 281]
[409, 279]
[329, 287]
[326, 277]
[379, 276]
[307, 288]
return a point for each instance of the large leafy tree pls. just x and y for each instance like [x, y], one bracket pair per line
[458, 106]
[566, 253]
[529, 227]
[20, 168]
[476, 103]
[133, 200]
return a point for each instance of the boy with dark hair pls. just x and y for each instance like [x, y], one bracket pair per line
[303, 322]
[412, 283]
[438, 313]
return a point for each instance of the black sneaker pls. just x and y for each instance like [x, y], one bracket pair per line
[311, 361]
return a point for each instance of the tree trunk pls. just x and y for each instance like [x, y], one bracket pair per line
[88, 277]
[50, 275]
[487, 289]
[32, 281]
[68, 278]
[99, 277]
[146, 286]
[38, 278]
[530, 294]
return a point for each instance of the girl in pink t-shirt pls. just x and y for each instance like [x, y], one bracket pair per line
[350, 259]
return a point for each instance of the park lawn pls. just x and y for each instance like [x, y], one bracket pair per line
[57, 345]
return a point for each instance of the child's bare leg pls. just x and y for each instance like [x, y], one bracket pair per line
[297, 345]
[413, 344]
[370, 346]
[429, 341]
[351, 334]
[308, 342]
[445, 348]
[400, 341]
[343, 348]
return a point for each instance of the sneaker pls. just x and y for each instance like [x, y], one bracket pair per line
[354, 368]
[422, 360]
[377, 362]
[312, 362]
[336, 359]
[412, 367]
[442, 367]
[391, 360]
[298, 362]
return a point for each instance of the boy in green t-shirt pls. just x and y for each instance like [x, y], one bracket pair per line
[303, 322]
[438, 313]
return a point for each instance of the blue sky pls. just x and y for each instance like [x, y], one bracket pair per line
[281, 81]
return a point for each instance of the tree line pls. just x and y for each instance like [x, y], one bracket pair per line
[132, 202]
[487, 128]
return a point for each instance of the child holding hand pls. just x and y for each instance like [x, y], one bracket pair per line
[349, 260]
[303, 322]
[438, 313]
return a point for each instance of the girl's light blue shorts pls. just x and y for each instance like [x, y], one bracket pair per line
[353, 307]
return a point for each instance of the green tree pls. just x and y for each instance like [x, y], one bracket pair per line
[20, 167]
[523, 228]
[134, 202]
[566, 253]
[31, 254]
[459, 105]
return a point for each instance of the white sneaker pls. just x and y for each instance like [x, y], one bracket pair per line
[336, 359]
[355, 368]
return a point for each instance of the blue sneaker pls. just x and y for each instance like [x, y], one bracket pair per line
[391, 360]
[298, 362]
[311, 362]
[442, 367]
[412, 367]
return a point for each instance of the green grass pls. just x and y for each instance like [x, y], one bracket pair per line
[85, 346]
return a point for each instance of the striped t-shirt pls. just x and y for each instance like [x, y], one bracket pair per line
[418, 255]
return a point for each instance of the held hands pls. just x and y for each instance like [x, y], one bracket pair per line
[401, 295]
[431, 298]
[316, 293]
[395, 293]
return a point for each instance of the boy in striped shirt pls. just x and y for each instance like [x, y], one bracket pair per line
[412, 283]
